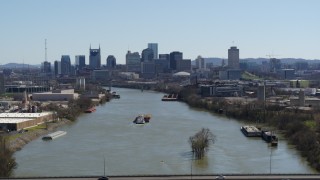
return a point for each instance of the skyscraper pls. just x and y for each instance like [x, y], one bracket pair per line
[65, 65]
[174, 57]
[147, 55]
[154, 47]
[233, 58]
[133, 62]
[200, 63]
[164, 56]
[57, 68]
[95, 58]
[111, 62]
[46, 67]
[2, 87]
[80, 62]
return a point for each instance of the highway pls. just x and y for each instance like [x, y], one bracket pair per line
[182, 177]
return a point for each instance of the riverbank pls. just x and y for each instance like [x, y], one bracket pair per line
[301, 129]
[16, 141]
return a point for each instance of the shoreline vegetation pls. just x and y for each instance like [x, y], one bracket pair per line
[301, 129]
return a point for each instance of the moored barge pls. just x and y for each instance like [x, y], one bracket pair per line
[250, 131]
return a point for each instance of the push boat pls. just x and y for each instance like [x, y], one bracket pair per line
[142, 119]
[269, 137]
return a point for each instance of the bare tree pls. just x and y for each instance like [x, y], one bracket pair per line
[201, 141]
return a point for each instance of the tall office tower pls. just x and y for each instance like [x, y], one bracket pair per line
[174, 57]
[200, 63]
[154, 47]
[95, 58]
[2, 87]
[184, 65]
[233, 58]
[65, 65]
[147, 55]
[57, 68]
[80, 62]
[164, 56]
[133, 62]
[111, 62]
[275, 64]
[46, 67]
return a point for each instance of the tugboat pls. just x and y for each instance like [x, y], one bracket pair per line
[269, 137]
[142, 119]
[147, 118]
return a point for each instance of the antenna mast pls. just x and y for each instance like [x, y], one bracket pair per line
[45, 48]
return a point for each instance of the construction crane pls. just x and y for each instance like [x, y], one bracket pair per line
[271, 55]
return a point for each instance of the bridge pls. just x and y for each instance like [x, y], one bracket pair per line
[182, 177]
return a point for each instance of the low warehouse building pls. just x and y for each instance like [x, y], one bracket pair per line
[56, 95]
[18, 121]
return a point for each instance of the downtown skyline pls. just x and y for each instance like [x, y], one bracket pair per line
[207, 28]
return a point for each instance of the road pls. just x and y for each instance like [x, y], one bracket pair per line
[183, 177]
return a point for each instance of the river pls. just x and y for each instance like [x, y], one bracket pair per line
[160, 147]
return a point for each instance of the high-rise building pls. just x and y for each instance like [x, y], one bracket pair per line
[111, 62]
[154, 47]
[233, 58]
[147, 55]
[133, 62]
[80, 62]
[2, 87]
[184, 65]
[57, 68]
[65, 65]
[95, 58]
[164, 56]
[174, 57]
[148, 70]
[46, 67]
[200, 63]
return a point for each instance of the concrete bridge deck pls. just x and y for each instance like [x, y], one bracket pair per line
[182, 177]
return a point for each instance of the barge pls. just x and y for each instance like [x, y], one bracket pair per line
[250, 131]
[54, 135]
[90, 110]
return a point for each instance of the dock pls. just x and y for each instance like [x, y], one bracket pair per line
[54, 135]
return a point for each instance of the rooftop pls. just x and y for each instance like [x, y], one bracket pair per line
[23, 115]
[13, 121]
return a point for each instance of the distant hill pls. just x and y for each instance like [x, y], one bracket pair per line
[19, 66]
[218, 61]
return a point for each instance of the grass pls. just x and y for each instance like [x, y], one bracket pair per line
[32, 129]
[249, 76]
[311, 124]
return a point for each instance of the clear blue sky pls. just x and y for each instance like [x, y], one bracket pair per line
[289, 28]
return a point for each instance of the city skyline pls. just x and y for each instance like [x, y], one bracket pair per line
[207, 28]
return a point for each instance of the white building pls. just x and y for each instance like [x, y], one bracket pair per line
[133, 62]
[200, 63]
[56, 95]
